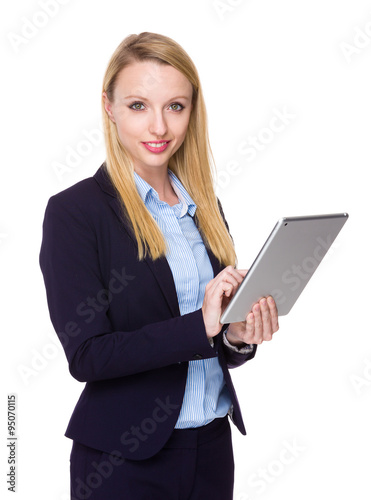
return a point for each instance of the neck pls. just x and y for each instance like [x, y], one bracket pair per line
[159, 180]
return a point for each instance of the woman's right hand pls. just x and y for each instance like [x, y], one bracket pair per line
[218, 293]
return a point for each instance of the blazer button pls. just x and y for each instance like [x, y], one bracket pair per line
[197, 356]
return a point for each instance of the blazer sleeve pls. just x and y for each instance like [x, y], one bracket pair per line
[70, 265]
[235, 359]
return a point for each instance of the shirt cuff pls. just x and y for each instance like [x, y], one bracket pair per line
[241, 350]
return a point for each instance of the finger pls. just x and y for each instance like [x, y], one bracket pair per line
[230, 276]
[266, 319]
[242, 272]
[274, 313]
[249, 329]
[234, 274]
[258, 324]
[225, 288]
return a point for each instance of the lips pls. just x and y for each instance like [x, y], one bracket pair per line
[156, 146]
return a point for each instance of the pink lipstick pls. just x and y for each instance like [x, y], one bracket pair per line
[156, 146]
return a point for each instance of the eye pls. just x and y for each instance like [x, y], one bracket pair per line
[176, 106]
[137, 106]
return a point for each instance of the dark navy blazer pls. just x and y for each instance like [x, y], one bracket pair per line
[119, 323]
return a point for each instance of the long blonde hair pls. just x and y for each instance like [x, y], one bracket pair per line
[192, 163]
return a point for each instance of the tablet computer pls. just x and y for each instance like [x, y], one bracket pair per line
[285, 264]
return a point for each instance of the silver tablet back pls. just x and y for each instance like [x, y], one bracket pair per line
[286, 263]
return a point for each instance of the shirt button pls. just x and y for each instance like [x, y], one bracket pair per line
[197, 356]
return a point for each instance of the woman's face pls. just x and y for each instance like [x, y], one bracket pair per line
[151, 109]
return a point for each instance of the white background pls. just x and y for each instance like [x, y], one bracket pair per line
[310, 387]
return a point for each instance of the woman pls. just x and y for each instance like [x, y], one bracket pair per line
[138, 266]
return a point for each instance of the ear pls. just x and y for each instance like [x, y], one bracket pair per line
[108, 107]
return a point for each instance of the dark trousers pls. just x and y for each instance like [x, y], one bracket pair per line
[194, 464]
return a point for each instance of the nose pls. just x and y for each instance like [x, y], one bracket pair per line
[158, 125]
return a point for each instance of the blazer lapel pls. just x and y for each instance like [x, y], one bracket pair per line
[160, 268]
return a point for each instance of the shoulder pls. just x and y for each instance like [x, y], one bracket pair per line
[79, 193]
[83, 199]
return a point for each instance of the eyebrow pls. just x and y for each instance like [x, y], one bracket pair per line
[146, 98]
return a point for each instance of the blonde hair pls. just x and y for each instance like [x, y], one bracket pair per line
[192, 163]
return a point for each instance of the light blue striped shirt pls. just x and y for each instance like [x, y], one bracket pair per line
[206, 395]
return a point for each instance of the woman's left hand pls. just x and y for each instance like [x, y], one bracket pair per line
[260, 324]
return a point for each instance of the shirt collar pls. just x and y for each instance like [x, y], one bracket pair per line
[145, 190]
